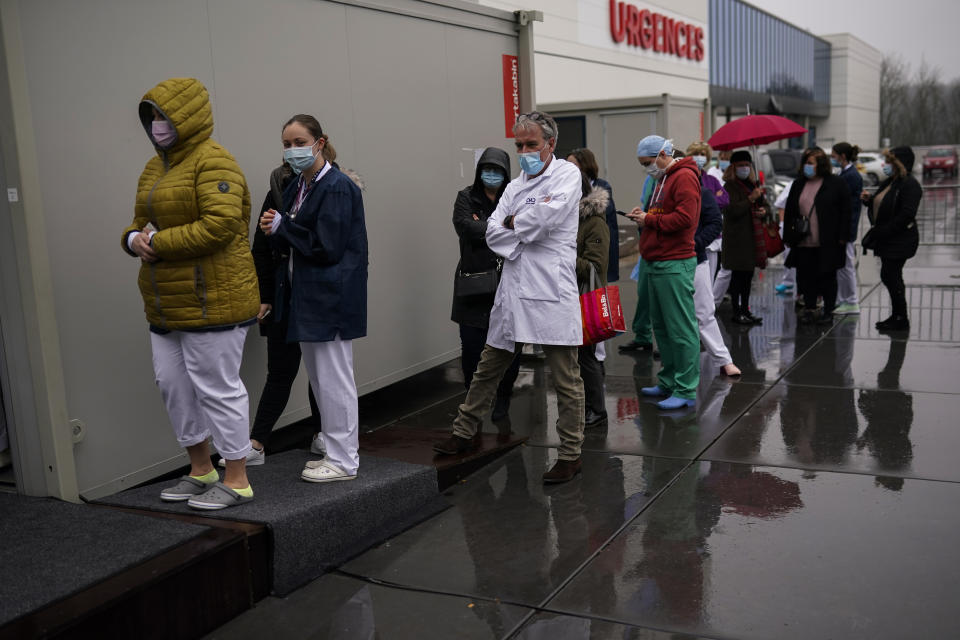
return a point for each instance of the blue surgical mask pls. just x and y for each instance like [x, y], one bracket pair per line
[888, 170]
[491, 178]
[299, 158]
[701, 161]
[833, 161]
[723, 164]
[809, 170]
[531, 162]
[743, 172]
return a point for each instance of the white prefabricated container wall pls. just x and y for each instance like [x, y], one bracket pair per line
[406, 89]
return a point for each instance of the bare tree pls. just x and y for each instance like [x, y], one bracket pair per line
[951, 104]
[917, 108]
[926, 107]
[894, 80]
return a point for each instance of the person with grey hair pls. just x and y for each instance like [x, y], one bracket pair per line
[534, 229]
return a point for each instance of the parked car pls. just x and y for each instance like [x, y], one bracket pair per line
[942, 159]
[870, 166]
[780, 167]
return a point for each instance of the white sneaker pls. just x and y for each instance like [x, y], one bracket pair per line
[851, 309]
[324, 471]
[316, 446]
[254, 458]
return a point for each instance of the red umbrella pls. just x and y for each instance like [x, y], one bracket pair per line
[754, 130]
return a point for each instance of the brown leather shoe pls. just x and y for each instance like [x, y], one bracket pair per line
[562, 471]
[453, 445]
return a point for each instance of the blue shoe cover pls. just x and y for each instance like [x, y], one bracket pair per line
[654, 391]
[674, 402]
[780, 288]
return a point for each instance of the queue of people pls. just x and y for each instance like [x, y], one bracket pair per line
[529, 246]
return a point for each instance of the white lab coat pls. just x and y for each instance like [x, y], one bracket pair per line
[537, 301]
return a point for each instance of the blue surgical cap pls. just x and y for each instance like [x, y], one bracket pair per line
[651, 146]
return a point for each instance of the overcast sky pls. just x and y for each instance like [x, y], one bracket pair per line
[914, 29]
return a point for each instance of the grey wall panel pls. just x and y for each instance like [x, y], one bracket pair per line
[622, 132]
[268, 68]
[400, 97]
[685, 125]
[414, 112]
[87, 65]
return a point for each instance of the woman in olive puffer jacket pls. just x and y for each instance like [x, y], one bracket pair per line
[199, 286]
[593, 253]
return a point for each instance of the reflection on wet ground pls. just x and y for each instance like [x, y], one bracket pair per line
[814, 497]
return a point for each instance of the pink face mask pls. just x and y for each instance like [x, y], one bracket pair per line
[163, 133]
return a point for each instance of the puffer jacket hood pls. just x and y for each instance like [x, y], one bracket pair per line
[185, 103]
[595, 203]
[497, 157]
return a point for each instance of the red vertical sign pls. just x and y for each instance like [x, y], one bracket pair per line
[511, 93]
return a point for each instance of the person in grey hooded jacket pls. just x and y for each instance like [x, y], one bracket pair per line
[473, 206]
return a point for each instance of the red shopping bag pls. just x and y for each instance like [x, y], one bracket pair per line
[772, 239]
[601, 314]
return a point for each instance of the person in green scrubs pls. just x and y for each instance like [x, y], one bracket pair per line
[669, 264]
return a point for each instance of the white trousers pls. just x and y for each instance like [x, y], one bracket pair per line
[198, 373]
[706, 318]
[713, 258]
[330, 367]
[721, 284]
[847, 278]
[789, 274]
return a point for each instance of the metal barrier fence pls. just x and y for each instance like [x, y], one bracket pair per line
[937, 215]
[934, 313]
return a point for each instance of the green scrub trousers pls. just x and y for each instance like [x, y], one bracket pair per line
[641, 317]
[674, 320]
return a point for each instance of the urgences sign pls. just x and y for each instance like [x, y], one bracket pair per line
[654, 31]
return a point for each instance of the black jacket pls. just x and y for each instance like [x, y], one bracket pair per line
[265, 257]
[613, 259]
[894, 228]
[710, 225]
[832, 203]
[327, 242]
[475, 255]
[854, 183]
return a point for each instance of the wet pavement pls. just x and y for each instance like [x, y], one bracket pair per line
[815, 497]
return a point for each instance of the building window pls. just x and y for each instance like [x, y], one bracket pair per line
[571, 134]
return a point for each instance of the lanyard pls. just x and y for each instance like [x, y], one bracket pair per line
[304, 189]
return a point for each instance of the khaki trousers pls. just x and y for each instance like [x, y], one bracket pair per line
[494, 362]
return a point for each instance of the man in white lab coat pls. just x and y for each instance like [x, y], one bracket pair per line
[534, 229]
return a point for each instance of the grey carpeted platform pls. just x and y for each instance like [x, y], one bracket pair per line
[316, 527]
[50, 549]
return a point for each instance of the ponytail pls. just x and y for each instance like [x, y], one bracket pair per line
[329, 153]
[847, 150]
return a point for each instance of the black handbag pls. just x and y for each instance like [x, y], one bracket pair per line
[478, 283]
[801, 226]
